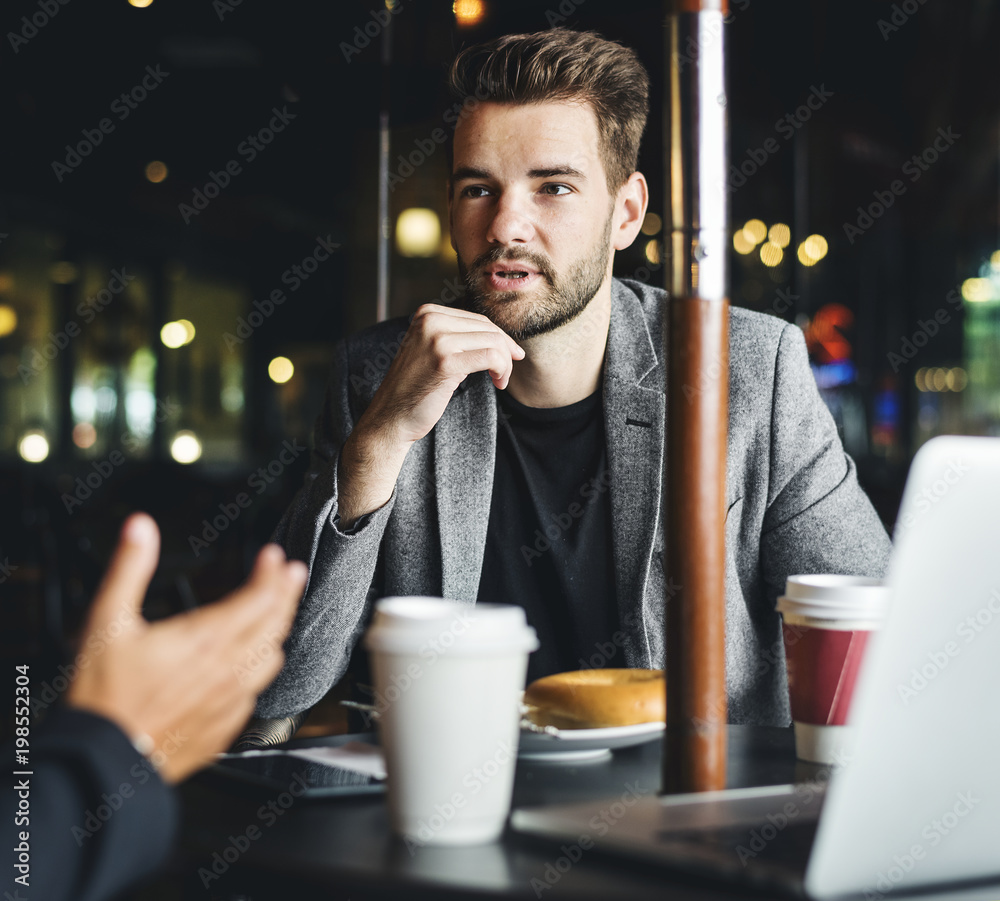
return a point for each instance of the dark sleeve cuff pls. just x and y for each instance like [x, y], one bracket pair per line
[108, 819]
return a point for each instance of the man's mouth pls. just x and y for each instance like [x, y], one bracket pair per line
[508, 277]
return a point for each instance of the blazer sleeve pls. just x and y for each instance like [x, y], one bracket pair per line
[99, 816]
[818, 518]
[342, 563]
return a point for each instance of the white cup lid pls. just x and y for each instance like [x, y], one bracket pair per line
[831, 596]
[426, 625]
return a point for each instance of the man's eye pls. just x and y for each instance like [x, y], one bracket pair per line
[555, 189]
[475, 191]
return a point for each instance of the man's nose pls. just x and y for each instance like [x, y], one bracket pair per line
[511, 222]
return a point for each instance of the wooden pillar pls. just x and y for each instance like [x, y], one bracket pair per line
[696, 346]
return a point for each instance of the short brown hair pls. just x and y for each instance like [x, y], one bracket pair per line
[560, 64]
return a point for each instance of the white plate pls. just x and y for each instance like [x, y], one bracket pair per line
[584, 744]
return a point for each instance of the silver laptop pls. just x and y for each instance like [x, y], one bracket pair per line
[918, 801]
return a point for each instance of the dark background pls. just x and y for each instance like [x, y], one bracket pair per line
[893, 87]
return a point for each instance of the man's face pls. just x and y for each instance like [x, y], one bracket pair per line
[531, 215]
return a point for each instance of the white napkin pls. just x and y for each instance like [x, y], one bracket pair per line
[355, 755]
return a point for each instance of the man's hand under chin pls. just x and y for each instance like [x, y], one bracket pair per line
[441, 348]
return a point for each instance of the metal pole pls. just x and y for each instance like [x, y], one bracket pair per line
[384, 226]
[696, 346]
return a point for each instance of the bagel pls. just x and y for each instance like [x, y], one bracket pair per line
[596, 698]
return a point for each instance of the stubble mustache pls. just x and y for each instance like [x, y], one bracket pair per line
[507, 255]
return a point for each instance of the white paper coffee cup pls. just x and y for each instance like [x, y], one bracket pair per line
[448, 682]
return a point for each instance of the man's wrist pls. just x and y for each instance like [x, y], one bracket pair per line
[369, 465]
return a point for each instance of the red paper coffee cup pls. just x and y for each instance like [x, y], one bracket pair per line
[826, 623]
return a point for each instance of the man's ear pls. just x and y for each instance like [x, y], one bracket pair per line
[630, 210]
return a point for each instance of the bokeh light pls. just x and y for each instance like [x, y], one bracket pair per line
[280, 369]
[185, 448]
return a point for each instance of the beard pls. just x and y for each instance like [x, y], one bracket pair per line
[560, 299]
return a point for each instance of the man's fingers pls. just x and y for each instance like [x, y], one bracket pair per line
[119, 598]
[496, 361]
[267, 600]
[465, 321]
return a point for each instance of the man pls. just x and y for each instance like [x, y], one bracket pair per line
[150, 704]
[513, 449]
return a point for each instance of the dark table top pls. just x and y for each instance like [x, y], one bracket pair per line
[342, 847]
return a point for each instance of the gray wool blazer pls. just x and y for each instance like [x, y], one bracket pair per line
[793, 500]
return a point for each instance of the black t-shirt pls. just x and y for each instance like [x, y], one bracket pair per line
[548, 543]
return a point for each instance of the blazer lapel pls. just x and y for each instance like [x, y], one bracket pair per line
[465, 440]
[634, 422]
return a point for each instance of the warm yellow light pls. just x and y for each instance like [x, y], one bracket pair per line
[64, 273]
[977, 290]
[280, 369]
[33, 446]
[468, 12]
[140, 4]
[156, 171]
[755, 231]
[918, 379]
[816, 247]
[653, 251]
[957, 379]
[185, 448]
[177, 334]
[804, 257]
[8, 320]
[940, 379]
[84, 435]
[780, 234]
[995, 259]
[652, 224]
[742, 244]
[418, 232]
[770, 254]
